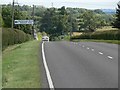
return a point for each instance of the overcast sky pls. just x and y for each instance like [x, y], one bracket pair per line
[89, 4]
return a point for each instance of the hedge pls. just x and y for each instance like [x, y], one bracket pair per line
[11, 37]
[100, 35]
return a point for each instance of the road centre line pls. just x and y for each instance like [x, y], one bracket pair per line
[110, 57]
[101, 53]
[83, 46]
[88, 48]
[92, 49]
[50, 82]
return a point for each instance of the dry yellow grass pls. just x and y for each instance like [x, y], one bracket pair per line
[105, 28]
[76, 33]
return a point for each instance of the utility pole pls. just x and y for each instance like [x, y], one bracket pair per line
[71, 25]
[12, 26]
[52, 4]
[33, 20]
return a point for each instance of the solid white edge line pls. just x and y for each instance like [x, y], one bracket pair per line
[50, 82]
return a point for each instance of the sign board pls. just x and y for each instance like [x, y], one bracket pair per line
[24, 22]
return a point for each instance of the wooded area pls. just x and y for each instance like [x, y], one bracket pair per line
[57, 22]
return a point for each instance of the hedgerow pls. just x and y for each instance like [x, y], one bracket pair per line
[100, 35]
[11, 37]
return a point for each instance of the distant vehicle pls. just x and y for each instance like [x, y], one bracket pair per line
[45, 38]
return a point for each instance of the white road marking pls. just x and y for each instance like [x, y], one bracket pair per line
[110, 57]
[92, 49]
[50, 82]
[101, 53]
[83, 46]
[88, 48]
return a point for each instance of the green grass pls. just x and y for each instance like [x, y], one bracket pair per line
[105, 41]
[21, 66]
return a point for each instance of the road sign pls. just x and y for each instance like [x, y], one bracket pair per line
[24, 22]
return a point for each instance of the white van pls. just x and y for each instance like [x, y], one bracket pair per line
[45, 38]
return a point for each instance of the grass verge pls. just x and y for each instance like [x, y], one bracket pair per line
[21, 66]
[91, 40]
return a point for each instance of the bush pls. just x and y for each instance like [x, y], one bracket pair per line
[10, 37]
[100, 35]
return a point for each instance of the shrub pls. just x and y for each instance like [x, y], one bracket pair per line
[10, 37]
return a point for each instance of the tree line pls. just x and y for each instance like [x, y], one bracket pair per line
[59, 21]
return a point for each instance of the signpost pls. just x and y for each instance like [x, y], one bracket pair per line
[24, 22]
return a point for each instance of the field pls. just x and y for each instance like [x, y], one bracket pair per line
[106, 34]
[106, 28]
[21, 66]
[76, 33]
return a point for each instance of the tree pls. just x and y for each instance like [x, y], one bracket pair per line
[117, 21]
[18, 15]
[7, 15]
[1, 21]
[90, 21]
[55, 22]
[99, 11]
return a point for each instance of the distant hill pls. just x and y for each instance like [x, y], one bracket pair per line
[109, 11]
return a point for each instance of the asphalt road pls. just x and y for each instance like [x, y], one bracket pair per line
[83, 64]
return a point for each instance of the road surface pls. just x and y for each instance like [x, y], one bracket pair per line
[82, 64]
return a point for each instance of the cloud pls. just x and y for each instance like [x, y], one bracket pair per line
[89, 4]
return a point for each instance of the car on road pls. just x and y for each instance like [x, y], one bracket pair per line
[45, 38]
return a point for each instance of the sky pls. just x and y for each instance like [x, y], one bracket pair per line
[88, 4]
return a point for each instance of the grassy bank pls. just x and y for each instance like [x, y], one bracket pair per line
[21, 66]
[91, 40]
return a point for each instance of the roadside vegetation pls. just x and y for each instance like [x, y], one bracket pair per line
[100, 35]
[110, 34]
[20, 53]
[57, 23]
[105, 34]
[11, 37]
[21, 66]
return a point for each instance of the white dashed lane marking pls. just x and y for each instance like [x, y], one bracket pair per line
[101, 53]
[83, 46]
[92, 49]
[88, 48]
[110, 57]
